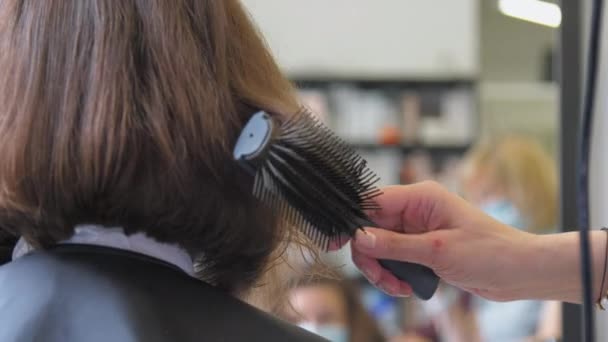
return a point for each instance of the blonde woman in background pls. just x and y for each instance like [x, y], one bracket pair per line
[515, 173]
[514, 180]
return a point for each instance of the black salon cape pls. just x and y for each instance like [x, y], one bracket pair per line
[84, 293]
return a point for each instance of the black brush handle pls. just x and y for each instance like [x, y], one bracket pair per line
[422, 279]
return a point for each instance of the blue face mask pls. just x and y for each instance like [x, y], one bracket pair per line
[334, 333]
[504, 211]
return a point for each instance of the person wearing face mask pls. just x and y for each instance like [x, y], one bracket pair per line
[331, 308]
[513, 180]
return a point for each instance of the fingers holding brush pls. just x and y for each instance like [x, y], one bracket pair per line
[385, 244]
[427, 232]
[373, 247]
[380, 277]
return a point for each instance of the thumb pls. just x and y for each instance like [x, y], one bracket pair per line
[385, 244]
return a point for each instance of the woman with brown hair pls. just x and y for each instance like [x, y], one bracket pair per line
[117, 118]
[332, 308]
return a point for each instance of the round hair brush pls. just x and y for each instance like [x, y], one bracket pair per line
[315, 181]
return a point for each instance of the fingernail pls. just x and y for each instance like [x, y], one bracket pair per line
[402, 294]
[371, 276]
[365, 239]
[389, 290]
[404, 291]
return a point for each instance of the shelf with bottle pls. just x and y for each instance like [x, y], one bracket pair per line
[391, 122]
[442, 116]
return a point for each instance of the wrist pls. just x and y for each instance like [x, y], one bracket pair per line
[556, 270]
[557, 267]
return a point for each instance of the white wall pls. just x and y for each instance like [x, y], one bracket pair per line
[512, 95]
[363, 38]
[528, 108]
[512, 49]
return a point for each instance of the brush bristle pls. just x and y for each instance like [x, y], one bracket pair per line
[316, 181]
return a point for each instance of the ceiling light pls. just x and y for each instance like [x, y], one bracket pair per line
[535, 11]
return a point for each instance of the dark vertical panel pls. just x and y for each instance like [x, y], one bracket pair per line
[569, 75]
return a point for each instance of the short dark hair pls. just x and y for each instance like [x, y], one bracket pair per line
[123, 113]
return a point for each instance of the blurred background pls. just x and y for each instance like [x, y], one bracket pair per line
[463, 92]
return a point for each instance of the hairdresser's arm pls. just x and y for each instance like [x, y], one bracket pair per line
[470, 250]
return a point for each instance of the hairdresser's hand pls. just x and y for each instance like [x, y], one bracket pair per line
[426, 224]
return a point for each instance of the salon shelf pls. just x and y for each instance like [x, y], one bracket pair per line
[447, 149]
[311, 81]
